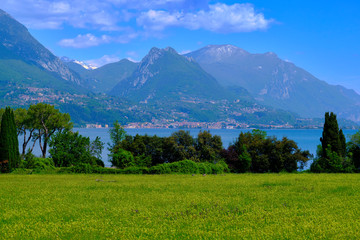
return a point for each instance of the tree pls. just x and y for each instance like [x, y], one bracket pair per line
[244, 160]
[332, 157]
[2, 110]
[47, 120]
[69, 148]
[96, 147]
[179, 146]
[25, 126]
[342, 143]
[331, 136]
[122, 159]
[208, 147]
[117, 134]
[354, 150]
[9, 145]
[258, 153]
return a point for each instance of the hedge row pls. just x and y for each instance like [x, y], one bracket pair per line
[180, 167]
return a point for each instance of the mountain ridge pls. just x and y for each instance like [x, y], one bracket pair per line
[164, 72]
[278, 83]
[15, 38]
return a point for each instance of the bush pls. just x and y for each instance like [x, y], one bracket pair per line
[32, 162]
[69, 148]
[135, 170]
[185, 166]
[142, 161]
[160, 169]
[122, 159]
[190, 167]
[98, 162]
[83, 168]
[224, 166]
[22, 171]
[204, 168]
[107, 170]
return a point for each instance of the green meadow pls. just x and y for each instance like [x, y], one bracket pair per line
[231, 206]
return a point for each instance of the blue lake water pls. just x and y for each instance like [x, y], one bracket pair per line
[307, 139]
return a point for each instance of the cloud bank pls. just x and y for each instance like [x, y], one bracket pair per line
[219, 18]
[124, 20]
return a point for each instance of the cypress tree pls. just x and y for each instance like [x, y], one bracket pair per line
[342, 143]
[333, 146]
[330, 135]
[9, 145]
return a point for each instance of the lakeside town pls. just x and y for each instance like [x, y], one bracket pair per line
[206, 125]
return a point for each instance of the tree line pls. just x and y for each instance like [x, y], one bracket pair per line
[334, 154]
[251, 152]
[39, 124]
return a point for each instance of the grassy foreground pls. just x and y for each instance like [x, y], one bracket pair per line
[276, 206]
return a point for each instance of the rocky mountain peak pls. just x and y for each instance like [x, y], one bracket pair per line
[217, 53]
[170, 50]
[271, 54]
[15, 38]
[227, 50]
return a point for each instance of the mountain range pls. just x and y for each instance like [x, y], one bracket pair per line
[215, 83]
[276, 82]
[23, 59]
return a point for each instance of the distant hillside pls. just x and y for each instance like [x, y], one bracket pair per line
[277, 83]
[105, 78]
[21, 52]
[167, 82]
[163, 73]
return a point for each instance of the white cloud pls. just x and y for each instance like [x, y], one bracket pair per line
[85, 41]
[184, 52]
[106, 59]
[54, 14]
[219, 18]
[155, 15]
[99, 14]
[124, 20]
[89, 40]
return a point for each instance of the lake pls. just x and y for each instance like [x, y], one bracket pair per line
[307, 139]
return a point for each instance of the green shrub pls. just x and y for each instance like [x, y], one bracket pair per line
[135, 170]
[184, 166]
[83, 168]
[204, 168]
[122, 159]
[22, 171]
[32, 162]
[190, 167]
[102, 170]
[142, 161]
[226, 168]
[160, 169]
[97, 162]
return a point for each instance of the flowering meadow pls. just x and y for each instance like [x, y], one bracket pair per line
[231, 206]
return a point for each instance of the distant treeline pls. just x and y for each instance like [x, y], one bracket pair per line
[179, 153]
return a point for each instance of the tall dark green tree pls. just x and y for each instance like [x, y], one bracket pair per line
[354, 150]
[332, 155]
[342, 143]
[9, 145]
[332, 137]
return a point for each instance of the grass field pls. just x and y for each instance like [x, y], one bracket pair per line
[252, 206]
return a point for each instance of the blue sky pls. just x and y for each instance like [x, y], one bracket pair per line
[320, 36]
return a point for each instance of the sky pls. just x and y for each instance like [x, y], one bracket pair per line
[319, 36]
